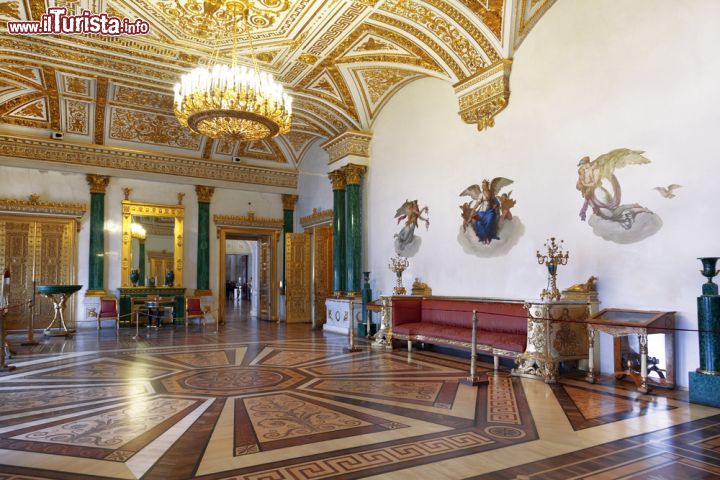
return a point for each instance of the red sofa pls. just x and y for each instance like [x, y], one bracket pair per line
[501, 325]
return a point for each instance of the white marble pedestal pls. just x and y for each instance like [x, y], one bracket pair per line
[338, 314]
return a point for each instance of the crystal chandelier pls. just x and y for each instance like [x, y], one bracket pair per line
[233, 102]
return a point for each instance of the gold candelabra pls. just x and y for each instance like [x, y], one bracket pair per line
[398, 265]
[554, 258]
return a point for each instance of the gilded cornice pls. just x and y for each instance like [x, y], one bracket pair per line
[289, 201]
[120, 159]
[354, 173]
[317, 217]
[97, 183]
[337, 179]
[249, 220]
[204, 193]
[484, 95]
[348, 143]
[34, 206]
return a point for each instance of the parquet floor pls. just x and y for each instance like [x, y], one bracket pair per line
[257, 400]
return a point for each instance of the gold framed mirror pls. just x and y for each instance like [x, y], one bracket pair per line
[152, 240]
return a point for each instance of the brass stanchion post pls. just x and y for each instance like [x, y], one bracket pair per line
[31, 324]
[474, 379]
[351, 334]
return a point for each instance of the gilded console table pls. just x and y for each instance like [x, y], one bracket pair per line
[621, 323]
[556, 333]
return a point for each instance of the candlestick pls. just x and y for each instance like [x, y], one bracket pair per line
[554, 258]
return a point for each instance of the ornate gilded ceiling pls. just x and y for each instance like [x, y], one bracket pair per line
[341, 60]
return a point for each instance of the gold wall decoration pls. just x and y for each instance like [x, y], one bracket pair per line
[348, 143]
[77, 116]
[298, 272]
[100, 104]
[177, 212]
[322, 271]
[317, 217]
[250, 220]
[97, 183]
[204, 193]
[142, 98]
[35, 206]
[485, 95]
[91, 157]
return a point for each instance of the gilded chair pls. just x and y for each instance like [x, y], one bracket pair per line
[193, 309]
[109, 311]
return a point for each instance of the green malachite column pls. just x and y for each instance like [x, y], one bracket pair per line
[204, 195]
[96, 265]
[289, 202]
[339, 267]
[141, 261]
[353, 177]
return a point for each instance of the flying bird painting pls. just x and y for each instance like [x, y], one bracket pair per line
[667, 192]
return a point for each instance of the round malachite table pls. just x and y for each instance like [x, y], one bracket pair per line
[58, 295]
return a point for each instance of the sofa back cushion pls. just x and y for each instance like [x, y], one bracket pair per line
[492, 316]
[405, 310]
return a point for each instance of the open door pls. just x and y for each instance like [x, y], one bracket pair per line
[297, 277]
[323, 267]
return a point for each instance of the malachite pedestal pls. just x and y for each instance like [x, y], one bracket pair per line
[705, 382]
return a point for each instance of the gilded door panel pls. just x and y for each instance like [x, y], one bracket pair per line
[297, 276]
[43, 248]
[264, 279]
[322, 282]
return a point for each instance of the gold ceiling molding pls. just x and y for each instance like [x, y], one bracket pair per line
[157, 129]
[121, 159]
[100, 104]
[527, 15]
[346, 144]
[249, 220]
[483, 96]
[35, 206]
[317, 217]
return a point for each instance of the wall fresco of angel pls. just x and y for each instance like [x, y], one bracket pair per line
[407, 243]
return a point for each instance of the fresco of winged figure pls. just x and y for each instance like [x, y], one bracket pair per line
[487, 208]
[601, 192]
[406, 242]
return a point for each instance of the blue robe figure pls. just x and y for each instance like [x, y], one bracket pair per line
[485, 222]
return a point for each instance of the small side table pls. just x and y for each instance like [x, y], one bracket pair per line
[157, 308]
[621, 323]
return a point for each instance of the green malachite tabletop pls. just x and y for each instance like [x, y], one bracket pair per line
[57, 289]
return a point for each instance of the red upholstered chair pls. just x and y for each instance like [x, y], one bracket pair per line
[109, 311]
[193, 309]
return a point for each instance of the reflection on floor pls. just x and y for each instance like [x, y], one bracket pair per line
[262, 401]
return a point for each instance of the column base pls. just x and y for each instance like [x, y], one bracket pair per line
[96, 293]
[203, 293]
[704, 388]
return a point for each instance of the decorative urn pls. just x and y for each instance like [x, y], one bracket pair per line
[169, 278]
[134, 277]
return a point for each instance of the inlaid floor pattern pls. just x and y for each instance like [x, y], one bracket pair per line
[258, 401]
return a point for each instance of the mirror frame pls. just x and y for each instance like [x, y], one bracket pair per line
[152, 210]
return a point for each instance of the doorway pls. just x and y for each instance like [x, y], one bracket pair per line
[248, 283]
[242, 278]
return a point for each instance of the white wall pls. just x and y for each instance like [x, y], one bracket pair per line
[314, 188]
[71, 187]
[591, 77]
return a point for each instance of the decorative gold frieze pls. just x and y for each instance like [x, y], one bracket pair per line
[249, 220]
[204, 193]
[90, 156]
[349, 143]
[484, 95]
[354, 173]
[308, 58]
[34, 206]
[317, 217]
[289, 201]
[137, 126]
[97, 183]
[337, 178]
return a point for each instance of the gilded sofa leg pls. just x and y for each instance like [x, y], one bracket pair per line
[496, 362]
[409, 346]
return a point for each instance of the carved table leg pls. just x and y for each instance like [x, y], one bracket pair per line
[591, 354]
[643, 388]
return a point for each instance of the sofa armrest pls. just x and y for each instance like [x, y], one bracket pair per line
[405, 310]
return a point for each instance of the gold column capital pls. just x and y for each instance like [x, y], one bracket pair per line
[97, 183]
[337, 178]
[354, 173]
[204, 193]
[289, 201]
